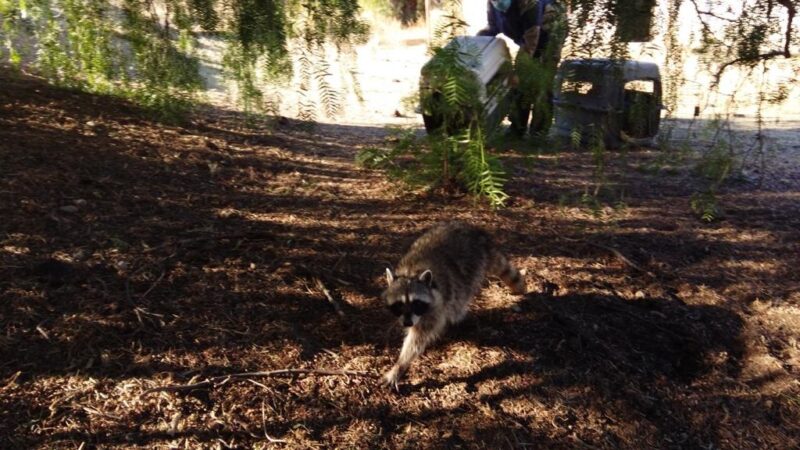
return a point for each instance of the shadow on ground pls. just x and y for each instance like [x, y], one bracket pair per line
[135, 254]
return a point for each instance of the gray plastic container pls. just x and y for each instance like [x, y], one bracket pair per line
[488, 61]
[616, 100]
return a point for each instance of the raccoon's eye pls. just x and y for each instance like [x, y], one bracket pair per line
[418, 307]
[396, 309]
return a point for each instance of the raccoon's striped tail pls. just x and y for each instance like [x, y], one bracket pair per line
[513, 278]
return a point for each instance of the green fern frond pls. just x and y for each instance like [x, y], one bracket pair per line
[483, 174]
[575, 137]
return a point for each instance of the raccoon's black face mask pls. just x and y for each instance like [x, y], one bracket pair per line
[409, 311]
[408, 298]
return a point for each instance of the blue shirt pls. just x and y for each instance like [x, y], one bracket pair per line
[521, 16]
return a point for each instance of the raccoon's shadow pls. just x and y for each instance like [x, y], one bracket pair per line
[646, 339]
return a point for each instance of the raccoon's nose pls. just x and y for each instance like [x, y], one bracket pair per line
[407, 322]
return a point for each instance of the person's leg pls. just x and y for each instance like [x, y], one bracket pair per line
[546, 59]
[521, 94]
[518, 114]
[545, 66]
[542, 111]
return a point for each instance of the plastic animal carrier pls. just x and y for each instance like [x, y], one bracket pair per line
[613, 100]
[489, 63]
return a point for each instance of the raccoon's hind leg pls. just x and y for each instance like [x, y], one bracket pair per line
[502, 268]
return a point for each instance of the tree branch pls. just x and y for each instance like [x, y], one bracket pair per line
[761, 57]
[700, 15]
[709, 13]
[792, 9]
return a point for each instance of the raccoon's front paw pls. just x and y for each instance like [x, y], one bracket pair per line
[520, 288]
[392, 378]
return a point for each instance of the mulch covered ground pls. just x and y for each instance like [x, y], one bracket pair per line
[135, 255]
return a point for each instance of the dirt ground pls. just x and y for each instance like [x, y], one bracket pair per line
[135, 255]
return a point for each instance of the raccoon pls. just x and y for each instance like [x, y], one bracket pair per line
[435, 281]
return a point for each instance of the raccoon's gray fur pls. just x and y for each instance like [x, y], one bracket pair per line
[435, 281]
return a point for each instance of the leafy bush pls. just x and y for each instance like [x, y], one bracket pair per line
[455, 153]
[442, 161]
[134, 49]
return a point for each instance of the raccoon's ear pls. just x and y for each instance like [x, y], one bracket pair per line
[389, 276]
[427, 278]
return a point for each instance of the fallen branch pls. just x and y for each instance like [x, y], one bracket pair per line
[271, 439]
[613, 250]
[153, 286]
[336, 305]
[622, 258]
[224, 379]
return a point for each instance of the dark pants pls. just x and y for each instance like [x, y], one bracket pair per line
[534, 95]
[521, 109]
[533, 99]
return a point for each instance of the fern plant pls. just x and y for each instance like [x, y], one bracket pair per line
[455, 153]
[483, 174]
[450, 98]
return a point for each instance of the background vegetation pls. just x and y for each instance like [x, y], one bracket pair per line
[147, 50]
[137, 255]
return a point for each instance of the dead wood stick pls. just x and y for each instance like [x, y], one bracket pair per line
[128, 295]
[224, 379]
[622, 258]
[153, 286]
[616, 253]
[336, 305]
[271, 439]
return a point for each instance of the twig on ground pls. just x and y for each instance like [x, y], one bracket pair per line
[155, 283]
[96, 412]
[12, 380]
[616, 253]
[139, 311]
[343, 282]
[224, 379]
[42, 331]
[336, 305]
[261, 385]
[128, 291]
[622, 258]
[271, 439]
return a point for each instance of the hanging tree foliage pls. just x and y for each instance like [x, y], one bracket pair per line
[460, 152]
[147, 49]
[735, 33]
